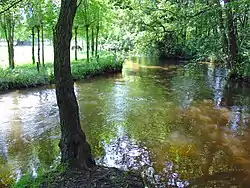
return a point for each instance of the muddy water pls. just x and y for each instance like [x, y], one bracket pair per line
[177, 125]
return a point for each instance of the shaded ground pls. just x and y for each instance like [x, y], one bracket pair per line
[100, 177]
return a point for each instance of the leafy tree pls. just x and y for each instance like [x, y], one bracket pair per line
[9, 18]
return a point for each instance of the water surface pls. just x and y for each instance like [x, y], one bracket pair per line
[177, 125]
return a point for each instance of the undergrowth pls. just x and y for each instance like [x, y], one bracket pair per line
[27, 76]
[43, 178]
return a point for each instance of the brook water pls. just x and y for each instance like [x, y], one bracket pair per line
[177, 125]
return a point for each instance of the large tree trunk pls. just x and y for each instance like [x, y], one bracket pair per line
[76, 49]
[75, 151]
[42, 44]
[33, 45]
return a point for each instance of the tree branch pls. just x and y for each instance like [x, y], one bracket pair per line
[10, 6]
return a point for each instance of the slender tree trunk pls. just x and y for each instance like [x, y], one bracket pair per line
[9, 35]
[10, 54]
[12, 42]
[42, 44]
[87, 41]
[232, 38]
[223, 37]
[97, 33]
[75, 151]
[38, 45]
[96, 41]
[92, 42]
[76, 43]
[33, 45]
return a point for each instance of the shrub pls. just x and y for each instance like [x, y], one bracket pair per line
[27, 75]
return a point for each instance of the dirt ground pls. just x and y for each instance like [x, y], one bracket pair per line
[100, 177]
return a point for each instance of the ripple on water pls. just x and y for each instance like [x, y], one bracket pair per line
[153, 120]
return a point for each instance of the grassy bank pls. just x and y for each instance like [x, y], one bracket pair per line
[24, 76]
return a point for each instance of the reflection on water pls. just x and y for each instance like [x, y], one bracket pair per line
[176, 125]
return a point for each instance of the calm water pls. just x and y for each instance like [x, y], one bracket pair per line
[177, 125]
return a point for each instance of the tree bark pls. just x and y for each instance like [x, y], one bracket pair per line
[87, 41]
[38, 45]
[33, 45]
[97, 33]
[96, 41]
[232, 39]
[12, 26]
[9, 35]
[92, 42]
[223, 35]
[76, 43]
[42, 44]
[75, 151]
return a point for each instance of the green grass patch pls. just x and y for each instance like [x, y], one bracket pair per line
[27, 76]
[43, 177]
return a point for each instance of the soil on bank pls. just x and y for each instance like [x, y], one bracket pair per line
[99, 177]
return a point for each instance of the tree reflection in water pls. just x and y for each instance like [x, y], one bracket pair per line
[154, 120]
[205, 147]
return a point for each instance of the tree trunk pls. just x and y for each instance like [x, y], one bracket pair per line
[42, 45]
[75, 151]
[97, 33]
[38, 45]
[232, 39]
[96, 41]
[92, 42]
[87, 41]
[12, 42]
[9, 35]
[33, 45]
[223, 36]
[76, 43]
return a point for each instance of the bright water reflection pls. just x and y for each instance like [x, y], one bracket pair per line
[177, 125]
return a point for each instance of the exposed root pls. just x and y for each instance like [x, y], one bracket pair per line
[99, 177]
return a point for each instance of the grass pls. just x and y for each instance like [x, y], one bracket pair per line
[26, 75]
[43, 178]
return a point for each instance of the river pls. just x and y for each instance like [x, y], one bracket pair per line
[177, 124]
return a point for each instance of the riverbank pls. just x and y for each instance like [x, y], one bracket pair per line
[99, 176]
[239, 72]
[25, 76]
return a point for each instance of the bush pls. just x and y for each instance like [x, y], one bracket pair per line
[42, 178]
[27, 75]
[241, 69]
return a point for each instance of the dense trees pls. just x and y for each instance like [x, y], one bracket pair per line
[200, 29]
[214, 30]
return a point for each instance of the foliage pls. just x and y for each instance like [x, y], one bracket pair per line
[107, 64]
[27, 76]
[241, 69]
[195, 29]
[42, 178]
